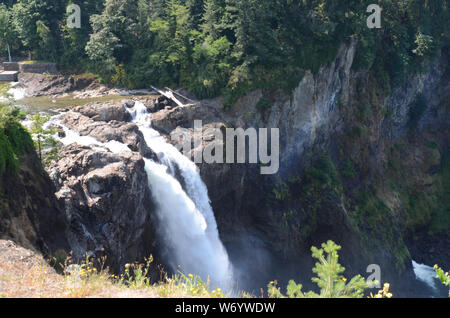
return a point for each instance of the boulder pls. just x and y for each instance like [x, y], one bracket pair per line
[107, 202]
[106, 111]
[127, 133]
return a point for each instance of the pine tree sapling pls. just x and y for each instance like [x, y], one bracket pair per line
[443, 276]
[43, 136]
[329, 279]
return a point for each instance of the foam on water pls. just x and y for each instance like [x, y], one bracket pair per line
[187, 221]
[70, 137]
[425, 274]
[17, 93]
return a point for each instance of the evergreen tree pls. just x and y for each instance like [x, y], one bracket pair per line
[226, 47]
[7, 34]
[211, 19]
[114, 36]
[329, 279]
[25, 17]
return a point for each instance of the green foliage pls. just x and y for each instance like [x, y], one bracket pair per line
[281, 191]
[425, 207]
[43, 137]
[329, 279]
[37, 26]
[120, 77]
[46, 41]
[424, 44]
[224, 47]
[4, 88]
[443, 276]
[8, 159]
[371, 210]
[364, 113]
[347, 169]
[7, 34]
[377, 226]
[356, 131]
[319, 184]
[323, 174]
[14, 139]
[263, 104]
[137, 275]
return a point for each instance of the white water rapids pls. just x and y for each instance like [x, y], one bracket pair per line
[16, 92]
[187, 223]
[426, 274]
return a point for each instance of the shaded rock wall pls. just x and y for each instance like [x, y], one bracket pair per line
[339, 112]
[107, 204]
[30, 214]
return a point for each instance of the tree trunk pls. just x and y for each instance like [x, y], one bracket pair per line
[9, 54]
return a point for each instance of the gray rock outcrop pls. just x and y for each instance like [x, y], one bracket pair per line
[107, 203]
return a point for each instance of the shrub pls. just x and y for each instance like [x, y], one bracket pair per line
[14, 139]
[443, 276]
[329, 278]
[43, 137]
[347, 169]
[263, 104]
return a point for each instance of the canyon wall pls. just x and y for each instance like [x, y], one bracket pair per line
[362, 162]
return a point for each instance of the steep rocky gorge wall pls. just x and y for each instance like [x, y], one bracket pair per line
[339, 126]
[30, 214]
[105, 193]
[90, 201]
[349, 157]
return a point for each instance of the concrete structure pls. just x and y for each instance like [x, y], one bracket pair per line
[12, 70]
[10, 66]
[39, 68]
[9, 76]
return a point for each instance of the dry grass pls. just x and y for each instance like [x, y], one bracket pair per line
[25, 274]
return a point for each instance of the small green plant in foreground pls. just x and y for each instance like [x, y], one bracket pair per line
[443, 276]
[383, 293]
[91, 277]
[4, 91]
[43, 137]
[329, 279]
[191, 285]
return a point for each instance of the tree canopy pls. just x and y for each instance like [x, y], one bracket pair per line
[224, 47]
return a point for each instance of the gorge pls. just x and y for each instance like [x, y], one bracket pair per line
[120, 189]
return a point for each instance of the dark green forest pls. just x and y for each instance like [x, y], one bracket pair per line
[223, 47]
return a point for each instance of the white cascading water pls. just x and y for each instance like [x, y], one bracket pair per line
[187, 221]
[425, 274]
[16, 93]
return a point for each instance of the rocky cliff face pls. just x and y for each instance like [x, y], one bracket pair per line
[351, 119]
[107, 204]
[338, 176]
[104, 191]
[92, 200]
[360, 163]
[29, 211]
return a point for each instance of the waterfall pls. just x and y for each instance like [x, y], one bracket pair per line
[425, 274]
[188, 224]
